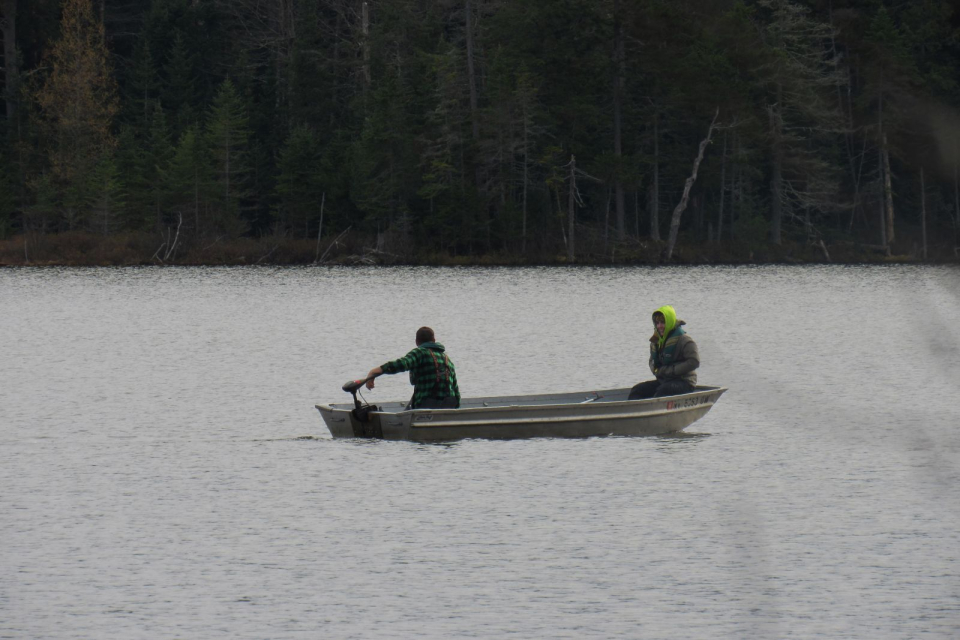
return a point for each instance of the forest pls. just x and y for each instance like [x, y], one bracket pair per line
[479, 131]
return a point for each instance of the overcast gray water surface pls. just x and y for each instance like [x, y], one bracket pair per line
[163, 473]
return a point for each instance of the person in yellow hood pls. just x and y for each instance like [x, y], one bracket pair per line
[674, 358]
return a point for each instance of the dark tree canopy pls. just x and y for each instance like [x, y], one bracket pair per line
[480, 130]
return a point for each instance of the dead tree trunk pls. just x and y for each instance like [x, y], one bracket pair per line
[606, 221]
[880, 177]
[286, 31]
[618, 64]
[8, 25]
[956, 186]
[776, 178]
[471, 74]
[655, 189]
[636, 212]
[923, 213]
[470, 37]
[887, 190]
[571, 210]
[848, 117]
[523, 246]
[696, 203]
[678, 211]
[723, 189]
[736, 185]
[365, 43]
[323, 201]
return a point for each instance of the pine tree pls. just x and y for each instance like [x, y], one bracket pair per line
[39, 216]
[132, 157]
[932, 39]
[312, 86]
[11, 58]
[444, 141]
[107, 204]
[227, 137]
[299, 184]
[8, 192]
[159, 151]
[78, 103]
[142, 87]
[889, 77]
[799, 74]
[190, 183]
[527, 110]
[181, 92]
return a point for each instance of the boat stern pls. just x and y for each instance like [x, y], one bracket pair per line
[344, 423]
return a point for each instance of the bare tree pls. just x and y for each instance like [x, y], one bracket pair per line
[11, 67]
[365, 42]
[923, 212]
[800, 72]
[526, 99]
[571, 210]
[887, 189]
[618, 70]
[270, 29]
[678, 210]
[471, 72]
[723, 188]
[654, 197]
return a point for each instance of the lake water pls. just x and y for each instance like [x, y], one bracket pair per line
[164, 474]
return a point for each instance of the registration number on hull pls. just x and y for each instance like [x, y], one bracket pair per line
[686, 403]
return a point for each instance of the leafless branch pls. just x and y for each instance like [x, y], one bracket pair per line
[334, 243]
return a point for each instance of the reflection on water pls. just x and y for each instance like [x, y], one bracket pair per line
[165, 472]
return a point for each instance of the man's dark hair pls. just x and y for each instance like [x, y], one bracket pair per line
[424, 334]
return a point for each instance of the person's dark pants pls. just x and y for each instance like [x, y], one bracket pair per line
[657, 389]
[450, 402]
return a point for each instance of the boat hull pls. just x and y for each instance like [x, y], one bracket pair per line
[571, 415]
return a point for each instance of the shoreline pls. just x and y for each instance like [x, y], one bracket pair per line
[79, 249]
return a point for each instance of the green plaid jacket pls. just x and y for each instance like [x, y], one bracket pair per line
[432, 373]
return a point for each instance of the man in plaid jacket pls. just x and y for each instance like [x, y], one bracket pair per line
[432, 374]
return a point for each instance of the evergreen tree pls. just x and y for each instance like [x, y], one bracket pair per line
[931, 36]
[189, 180]
[41, 215]
[227, 137]
[131, 157]
[799, 74]
[451, 124]
[142, 87]
[299, 184]
[78, 103]
[180, 95]
[159, 151]
[445, 140]
[11, 59]
[106, 207]
[8, 190]
[889, 80]
[312, 86]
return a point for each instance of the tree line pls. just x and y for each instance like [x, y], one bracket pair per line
[463, 129]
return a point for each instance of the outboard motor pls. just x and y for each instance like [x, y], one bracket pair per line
[364, 425]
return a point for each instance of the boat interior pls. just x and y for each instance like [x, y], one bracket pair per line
[576, 397]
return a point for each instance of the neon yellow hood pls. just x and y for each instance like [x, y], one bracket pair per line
[670, 322]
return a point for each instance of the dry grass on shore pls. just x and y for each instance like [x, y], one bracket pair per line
[77, 248]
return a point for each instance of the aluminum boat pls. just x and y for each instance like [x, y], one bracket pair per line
[582, 414]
